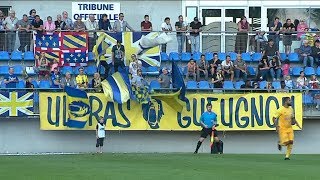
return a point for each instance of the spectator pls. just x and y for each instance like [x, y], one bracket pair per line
[118, 53]
[91, 26]
[214, 64]
[2, 32]
[191, 72]
[49, 26]
[227, 68]
[134, 65]
[56, 78]
[271, 50]
[10, 80]
[121, 25]
[288, 83]
[247, 85]
[82, 79]
[138, 81]
[240, 68]
[275, 68]
[96, 82]
[29, 85]
[164, 79]
[242, 35]
[305, 54]
[43, 66]
[315, 51]
[79, 25]
[104, 23]
[67, 20]
[261, 41]
[24, 33]
[10, 24]
[301, 28]
[288, 28]
[67, 81]
[274, 31]
[195, 28]
[286, 68]
[54, 65]
[314, 83]
[166, 27]
[181, 27]
[32, 16]
[146, 25]
[217, 79]
[60, 25]
[263, 68]
[37, 24]
[302, 82]
[202, 68]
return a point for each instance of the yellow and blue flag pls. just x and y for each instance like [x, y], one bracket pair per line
[78, 107]
[16, 104]
[100, 49]
[178, 82]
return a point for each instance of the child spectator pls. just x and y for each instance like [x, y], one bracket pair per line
[54, 65]
[288, 83]
[286, 68]
[314, 83]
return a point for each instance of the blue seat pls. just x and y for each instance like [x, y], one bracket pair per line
[283, 56]
[246, 57]
[238, 84]
[256, 57]
[196, 56]
[308, 71]
[307, 99]
[91, 56]
[21, 84]
[154, 84]
[209, 56]
[251, 71]
[16, 56]
[35, 84]
[4, 70]
[44, 84]
[318, 71]
[66, 69]
[296, 71]
[293, 57]
[90, 70]
[4, 55]
[228, 85]
[164, 56]
[204, 85]
[174, 56]
[233, 56]
[18, 69]
[222, 56]
[185, 57]
[28, 56]
[276, 85]
[2, 85]
[153, 71]
[192, 85]
[263, 84]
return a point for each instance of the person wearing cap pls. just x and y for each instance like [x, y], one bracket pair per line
[24, 33]
[195, 29]
[305, 54]
[82, 79]
[10, 25]
[271, 50]
[164, 78]
[315, 51]
[118, 53]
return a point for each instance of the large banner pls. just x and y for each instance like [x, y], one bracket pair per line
[235, 112]
[84, 9]
[16, 104]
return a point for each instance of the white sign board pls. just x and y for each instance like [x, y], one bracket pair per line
[84, 9]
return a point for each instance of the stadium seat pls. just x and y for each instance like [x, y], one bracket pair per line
[4, 70]
[308, 71]
[283, 56]
[209, 56]
[2, 85]
[238, 84]
[152, 71]
[204, 85]
[164, 56]
[251, 71]
[293, 57]
[233, 56]
[192, 85]
[174, 56]
[4, 55]
[16, 56]
[90, 70]
[154, 84]
[296, 71]
[256, 57]
[196, 56]
[263, 84]
[222, 56]
[28, 56]
[90, 56]
[185, 57]
[18, 69]
[21, 84]
[318, 71]
[276, 85]
[66, 69]
[307, 99]
[228, 85]
[246, 57]
[44, 84]
[35, 84]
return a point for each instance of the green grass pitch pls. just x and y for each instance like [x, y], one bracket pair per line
[159, 167]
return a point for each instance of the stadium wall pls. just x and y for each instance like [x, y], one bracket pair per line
[24, 136]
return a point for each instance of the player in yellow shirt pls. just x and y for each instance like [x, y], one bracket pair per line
[284, 120]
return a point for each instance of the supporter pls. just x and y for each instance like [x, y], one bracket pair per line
[82, 79]
[60, 25]
[286, 68]
[32, 15]
[96, 82]
[263, 68]
[271, 49]
[43, 66]
[29, 85]
[217, 79]
[202, 68]
[274, 31]
[10, 80]
[24, 33]
[118, 53]
[79, 25]
[2, 32]
[49, 26]
[121, 25]
[54, 65]
[288, 28]
[164, 79]
[91, 25]
[146, 25]
[301, 28]
[275, 68]
[37, 24]
[288, 83]
[134, 65]
[242, 35]
[166, 27]
[315, 51]
[181, 27]
[240, 68]
[305, 54]
[314, 83]
[138, 80]
[227, 68]
[104, 23]
[214, 64]
[10, 25]
[67, 20]
[56, 78]
[191, 70]
[261, 41]
[67, 81]
[195, 28]
[302, 82]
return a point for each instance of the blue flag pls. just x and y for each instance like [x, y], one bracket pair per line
[78, 107]
[178, 82]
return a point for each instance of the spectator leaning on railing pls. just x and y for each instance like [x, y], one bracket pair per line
[60, 25]
[10, 24]
[195, 28]
[37, 24]
[121, 25]
[104, 23]
[181, 27]
[79, 25]
[32, 15]
[166, 27]
[49, 25]
[146, 25]
[274, 32]
[91, 25]
[67, 20]
[24, 33]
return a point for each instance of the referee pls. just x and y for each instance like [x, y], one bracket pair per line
[100, 134]
[207, 120]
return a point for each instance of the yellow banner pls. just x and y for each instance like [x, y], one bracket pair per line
[234, 112]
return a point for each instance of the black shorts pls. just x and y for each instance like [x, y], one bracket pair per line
[99, 142]
[207, 131]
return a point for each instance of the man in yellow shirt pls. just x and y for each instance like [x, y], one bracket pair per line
[82, 79]
[284, 120]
